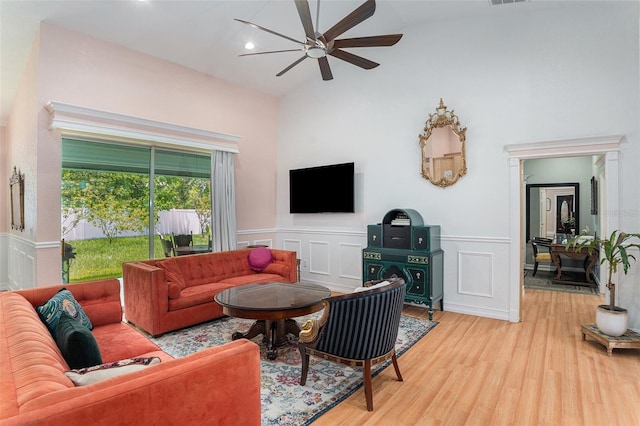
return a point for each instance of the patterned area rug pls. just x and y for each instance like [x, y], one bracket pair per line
[543, 281]
[284, 401]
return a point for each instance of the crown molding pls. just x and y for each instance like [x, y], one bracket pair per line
[565, 147]
[75, 121]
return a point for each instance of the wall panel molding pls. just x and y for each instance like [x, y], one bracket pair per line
[292, 245]
[21, 271]
[475, 273]
[319, 258]
[348, 268]
[264, 242]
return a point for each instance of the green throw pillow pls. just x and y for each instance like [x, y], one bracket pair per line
[78, 346]
[63, 300]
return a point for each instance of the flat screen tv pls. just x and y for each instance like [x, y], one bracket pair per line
[323, 189]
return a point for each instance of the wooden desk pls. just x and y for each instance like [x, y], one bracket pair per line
[589, 261]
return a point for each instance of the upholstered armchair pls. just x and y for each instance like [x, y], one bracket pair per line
[358, 329]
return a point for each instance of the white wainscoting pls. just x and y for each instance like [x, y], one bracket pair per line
[21, 263]
[476, 271]
[332, 258]
[4, 262]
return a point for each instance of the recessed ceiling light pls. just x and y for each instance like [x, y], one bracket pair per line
[249, 45]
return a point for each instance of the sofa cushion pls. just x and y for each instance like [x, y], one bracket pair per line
[276, 268]
[122, 341]
[259, 258]
[173, 272]
[77, 345]
[63, 300]
[97, 373]
[259, 278]
[192, 296]
[369, 286]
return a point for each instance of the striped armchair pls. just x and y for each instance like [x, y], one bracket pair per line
[358, 330]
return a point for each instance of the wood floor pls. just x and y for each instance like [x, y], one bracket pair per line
[478, 371]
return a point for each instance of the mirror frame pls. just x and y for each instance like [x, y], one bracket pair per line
[443, 118]
[576, 202]
[16, 186]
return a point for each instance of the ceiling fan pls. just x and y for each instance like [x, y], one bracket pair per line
[318, 46]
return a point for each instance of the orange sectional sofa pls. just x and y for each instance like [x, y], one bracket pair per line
[204, 388]
[162, 295]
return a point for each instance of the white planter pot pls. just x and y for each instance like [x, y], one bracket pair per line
[612, 323]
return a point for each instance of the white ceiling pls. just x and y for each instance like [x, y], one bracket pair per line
[202, 35]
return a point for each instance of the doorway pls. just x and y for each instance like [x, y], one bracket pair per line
[606, 147]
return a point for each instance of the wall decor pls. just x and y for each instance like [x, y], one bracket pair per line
[16, 185]
[443, 147]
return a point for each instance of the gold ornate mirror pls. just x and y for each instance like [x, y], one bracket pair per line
[16, 184]
[442, 143]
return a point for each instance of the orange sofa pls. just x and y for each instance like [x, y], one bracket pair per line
[163, 295]
[207, 387]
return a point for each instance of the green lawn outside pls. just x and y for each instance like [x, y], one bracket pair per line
[97, 259]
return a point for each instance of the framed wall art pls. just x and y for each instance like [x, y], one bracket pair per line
[16, 185]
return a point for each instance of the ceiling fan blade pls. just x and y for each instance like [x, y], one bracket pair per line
[364, 11]
[271, 51]
[381, 40]
[325, 70]
[291, 66]
[305, 18]
[269, 31]
[354, 59]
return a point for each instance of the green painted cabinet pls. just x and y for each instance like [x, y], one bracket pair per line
[402, 246]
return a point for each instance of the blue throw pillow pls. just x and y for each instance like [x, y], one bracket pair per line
[78, 346]
[63, 300]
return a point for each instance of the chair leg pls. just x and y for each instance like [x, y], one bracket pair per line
[305, 365]
[367, 384]
[396, 367]
[535, 268]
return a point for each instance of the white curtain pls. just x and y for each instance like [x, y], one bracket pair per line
[224, 202]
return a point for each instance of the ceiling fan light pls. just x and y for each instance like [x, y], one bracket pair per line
[316, 52]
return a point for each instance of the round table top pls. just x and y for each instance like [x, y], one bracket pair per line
[272, 300]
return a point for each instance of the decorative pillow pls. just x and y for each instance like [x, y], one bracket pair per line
[62, 301]
[172, 272]
[276, 268]
[87, 376]
[372, 287]
[173, 290]
[78, 346]
[259, 258]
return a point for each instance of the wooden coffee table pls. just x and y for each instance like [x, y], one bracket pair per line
[272, 305]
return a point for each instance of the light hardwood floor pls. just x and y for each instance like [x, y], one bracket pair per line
[478, 371]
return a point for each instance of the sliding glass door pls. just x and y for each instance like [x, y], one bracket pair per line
[117, 200]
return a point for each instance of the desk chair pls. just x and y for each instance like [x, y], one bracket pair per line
[538, 243]
[358, 329]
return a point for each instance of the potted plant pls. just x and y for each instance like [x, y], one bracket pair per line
[610, 319]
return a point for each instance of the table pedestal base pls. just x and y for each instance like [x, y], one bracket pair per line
[274, 333]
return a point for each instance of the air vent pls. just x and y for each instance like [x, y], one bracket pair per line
[500, 2]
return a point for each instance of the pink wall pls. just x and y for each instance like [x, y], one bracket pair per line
[75, 69]
[4, 173]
